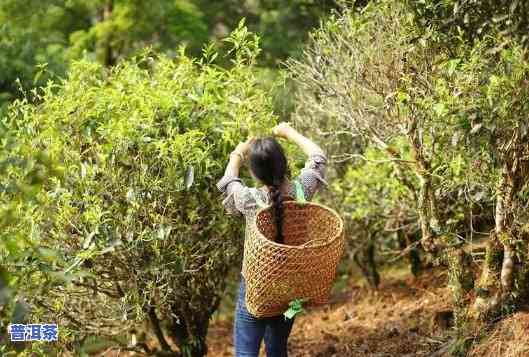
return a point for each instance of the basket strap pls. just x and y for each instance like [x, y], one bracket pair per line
[300, 195]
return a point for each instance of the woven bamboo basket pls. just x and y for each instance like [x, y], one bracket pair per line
[304, 267]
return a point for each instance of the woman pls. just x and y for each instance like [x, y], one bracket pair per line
[268, 165]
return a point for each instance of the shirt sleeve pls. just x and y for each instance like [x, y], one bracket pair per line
[312, 176]
[238, 198]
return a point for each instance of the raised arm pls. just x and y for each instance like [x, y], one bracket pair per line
[312, 176]
[310, 148]
[230, 184]
[237, 158]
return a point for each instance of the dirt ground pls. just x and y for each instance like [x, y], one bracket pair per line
[404, 317]
[508, 338]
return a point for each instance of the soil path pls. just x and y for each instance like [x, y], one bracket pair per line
[405, 317]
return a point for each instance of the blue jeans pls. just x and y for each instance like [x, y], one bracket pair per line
[249, 331]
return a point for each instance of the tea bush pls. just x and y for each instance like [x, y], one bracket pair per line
[136, 220]
[448, 115]
[20, 181]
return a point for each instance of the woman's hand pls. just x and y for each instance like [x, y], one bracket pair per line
[243, 148]
[283, 130]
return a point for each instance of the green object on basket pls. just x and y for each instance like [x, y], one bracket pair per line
[295, 307]
[300, 195]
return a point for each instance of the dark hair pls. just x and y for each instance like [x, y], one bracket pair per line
[269, 164]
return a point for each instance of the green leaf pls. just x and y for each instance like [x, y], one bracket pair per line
[440, 109]
[163, 232]
[295, 308]
[452, 66]
[290, 313]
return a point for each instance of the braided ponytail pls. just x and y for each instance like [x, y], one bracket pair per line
[269, 165]
[277, 204]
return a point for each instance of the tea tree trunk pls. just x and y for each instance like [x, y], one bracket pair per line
[365, 259]
[104, 50]
[190, 335]
[504, 276]
[440, 244]
[407, 241]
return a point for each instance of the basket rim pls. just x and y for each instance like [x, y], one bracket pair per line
[300, 247]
